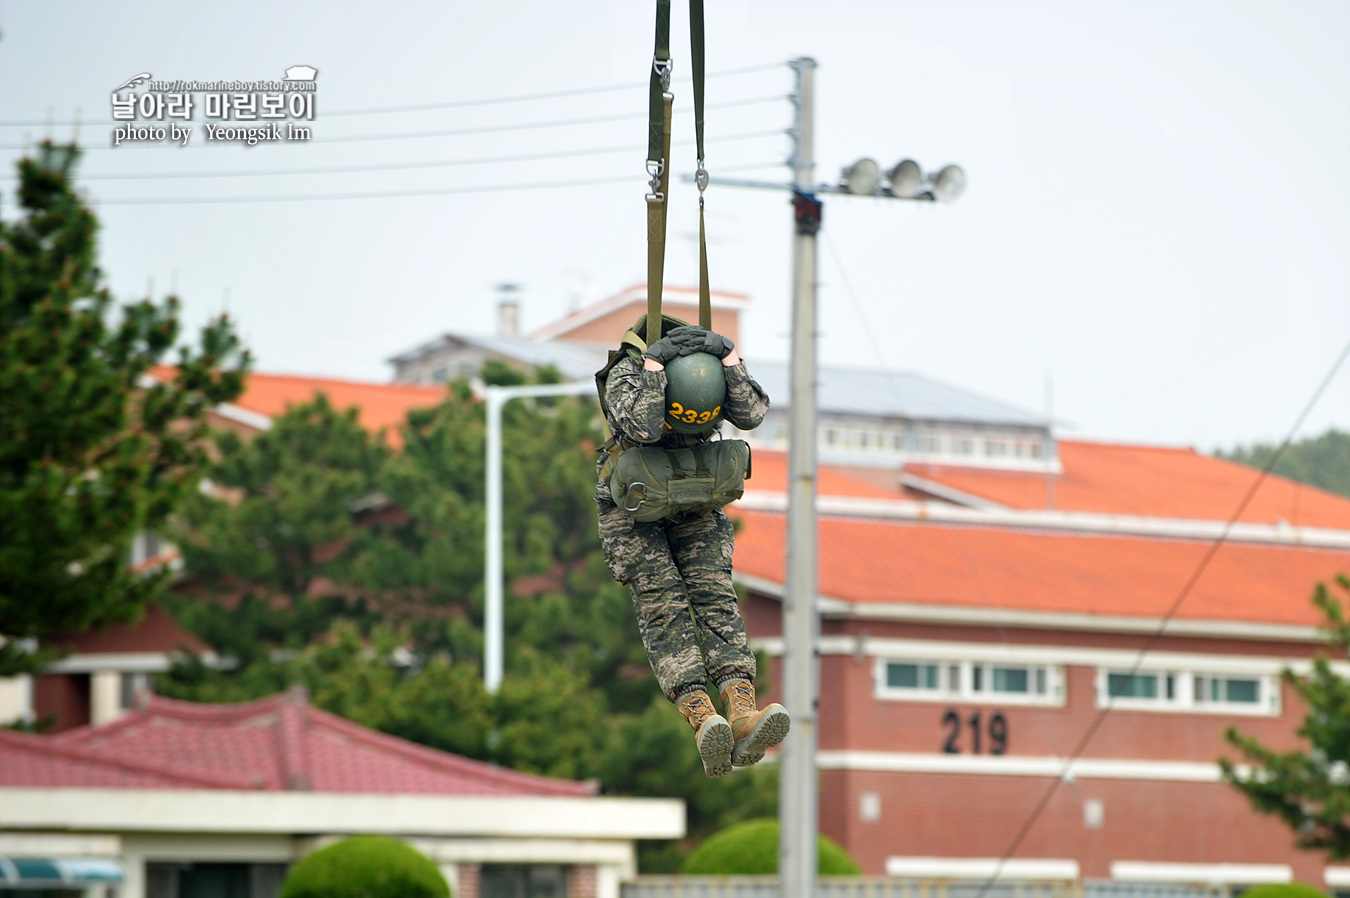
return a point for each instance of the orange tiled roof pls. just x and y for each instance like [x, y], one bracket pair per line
[378, 405]
[875, 561]
[1150, 481]
[769, 473]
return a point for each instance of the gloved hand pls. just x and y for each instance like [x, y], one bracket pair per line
[691, 338]
[663, 350]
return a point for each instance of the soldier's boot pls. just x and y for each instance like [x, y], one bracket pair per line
[712, 733]
[753, 729]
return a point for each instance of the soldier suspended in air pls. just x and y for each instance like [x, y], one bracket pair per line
[663, 482]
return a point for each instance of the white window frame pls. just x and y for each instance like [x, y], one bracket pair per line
[963, 691]
[1183, 693]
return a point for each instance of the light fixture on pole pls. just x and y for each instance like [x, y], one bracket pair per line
[862, 178]
[906, 179]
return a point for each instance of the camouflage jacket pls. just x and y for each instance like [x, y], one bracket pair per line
[636, 400]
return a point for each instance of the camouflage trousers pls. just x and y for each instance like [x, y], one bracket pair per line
[674, 567]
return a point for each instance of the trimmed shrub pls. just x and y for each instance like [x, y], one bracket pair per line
[751, 848]
[365, 867]
[1285, 890]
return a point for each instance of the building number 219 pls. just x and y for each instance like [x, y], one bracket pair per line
[998, 733]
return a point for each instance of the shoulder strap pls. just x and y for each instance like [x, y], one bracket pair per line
[632, 346]
[658, 164]
[701, 176]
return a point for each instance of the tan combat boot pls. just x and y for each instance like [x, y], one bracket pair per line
[753, 730]
[712, 733]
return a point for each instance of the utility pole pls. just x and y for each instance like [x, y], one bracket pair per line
[494, 399]
[798, 787]
[798, 790]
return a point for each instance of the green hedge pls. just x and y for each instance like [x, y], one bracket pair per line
[365, 867]
[1285, 890]
[752, 848]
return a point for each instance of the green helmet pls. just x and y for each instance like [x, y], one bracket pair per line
[696, 389]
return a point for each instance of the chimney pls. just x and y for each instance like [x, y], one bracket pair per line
[508, 311]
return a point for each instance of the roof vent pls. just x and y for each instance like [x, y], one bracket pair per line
[508, 311]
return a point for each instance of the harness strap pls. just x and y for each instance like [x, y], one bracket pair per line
[701, 176]
[658, 166]
[696, 64]
[660, 81]
[704, 291]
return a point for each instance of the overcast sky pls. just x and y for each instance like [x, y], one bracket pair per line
[1157, 217]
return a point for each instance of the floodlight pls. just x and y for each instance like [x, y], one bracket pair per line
[906, 179]
[949, 184]
[862, 178]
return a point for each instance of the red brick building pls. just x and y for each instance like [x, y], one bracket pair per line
[969, 647]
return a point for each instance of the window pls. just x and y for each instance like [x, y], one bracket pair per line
[523, 881]
[971, 681]
[1030, 682]
[1218, 689]
[910, 676]
[1185, 690]
[133, 683]
[1123, 685]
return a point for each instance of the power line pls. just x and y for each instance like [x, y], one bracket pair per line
[452, 104]
[1162, 626]
[352, 169]
[453, 132]
[443, 191]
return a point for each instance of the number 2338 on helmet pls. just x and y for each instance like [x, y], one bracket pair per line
[696, 390]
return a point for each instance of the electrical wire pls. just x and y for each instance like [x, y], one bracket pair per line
[434, 191]
[452, 104]
[453, 132]
[353, 169]
[895, 391]
[1162, 626]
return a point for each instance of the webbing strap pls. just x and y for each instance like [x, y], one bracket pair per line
[656, 233]
[660, 62]
[658, 164]
[704, 293]
[696, 65]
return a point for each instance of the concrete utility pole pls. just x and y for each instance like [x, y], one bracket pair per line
[801, 624]
[798, 795]
[495, 398]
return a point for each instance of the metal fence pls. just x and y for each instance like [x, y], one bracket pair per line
[870, 887]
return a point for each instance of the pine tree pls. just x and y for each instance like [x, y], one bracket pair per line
[91, 451]
[1308, 790]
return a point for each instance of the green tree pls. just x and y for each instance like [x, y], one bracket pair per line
[1309, 790]
[751, 848]
[1322, 461]
[365, 867]
[269, 553]
[91, 453]
[333, 611]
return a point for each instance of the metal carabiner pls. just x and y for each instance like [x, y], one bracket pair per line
[655, 169]
[641, 501]
[701, 177]
[663, 69]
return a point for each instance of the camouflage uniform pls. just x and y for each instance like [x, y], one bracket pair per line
[682, 562]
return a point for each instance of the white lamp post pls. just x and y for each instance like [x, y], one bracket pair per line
[495, 398]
